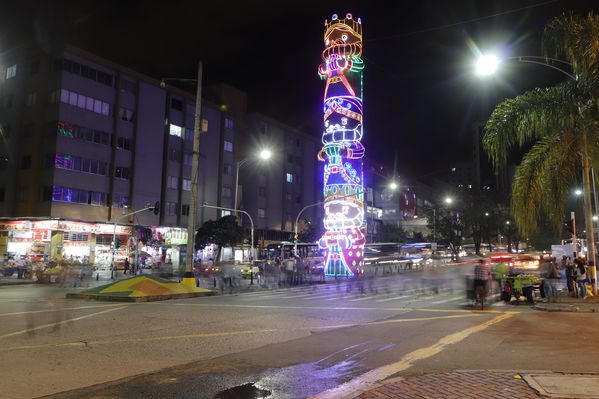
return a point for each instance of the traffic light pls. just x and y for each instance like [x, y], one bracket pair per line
[296, 238]
[156, 207]
[117, 243]
[111, 244]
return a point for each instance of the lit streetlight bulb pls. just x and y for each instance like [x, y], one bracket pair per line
[393, 186]
[265, 154]
[578, 192]
[448, 200]
[486, 65]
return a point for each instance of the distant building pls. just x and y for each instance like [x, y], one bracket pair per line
[275, 191]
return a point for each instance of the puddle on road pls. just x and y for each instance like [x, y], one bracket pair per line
[245, 391]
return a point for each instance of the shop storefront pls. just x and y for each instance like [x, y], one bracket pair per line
[72, 241]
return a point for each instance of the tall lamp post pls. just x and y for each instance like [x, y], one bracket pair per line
[264, 155]
[188, 277]
[487, 65]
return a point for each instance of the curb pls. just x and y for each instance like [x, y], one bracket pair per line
[575, 309]
[149, 298]
[6, 283]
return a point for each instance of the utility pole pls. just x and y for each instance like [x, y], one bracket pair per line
[574, 244]
[188, 277]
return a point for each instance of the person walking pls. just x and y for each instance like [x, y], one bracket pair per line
[126, 265]
[301, 270]
[551, 278]
[482, 274]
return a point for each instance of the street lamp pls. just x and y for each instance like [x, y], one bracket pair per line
[264, 155]
[488, 64]
[448, 200]
[578, 192]
[393, 186]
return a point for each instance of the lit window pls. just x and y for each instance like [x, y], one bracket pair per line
[173, 182]
[289, 177]
[228, 146]
[225, 213]
[261, 213]
[11, 71]
[175, 130]
[187, 184]
[229, 123]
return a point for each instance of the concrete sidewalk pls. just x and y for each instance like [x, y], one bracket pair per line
[566, 303]
[476, 384]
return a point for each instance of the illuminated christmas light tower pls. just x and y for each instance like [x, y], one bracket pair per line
[342, 150]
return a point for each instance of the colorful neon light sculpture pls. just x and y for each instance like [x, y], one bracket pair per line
[342, 150]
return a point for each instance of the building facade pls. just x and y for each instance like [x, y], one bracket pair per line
[86, 139]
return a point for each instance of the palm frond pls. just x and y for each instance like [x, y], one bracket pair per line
[530, 116]
[543, 180]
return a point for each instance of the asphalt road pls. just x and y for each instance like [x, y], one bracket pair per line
[293, 343]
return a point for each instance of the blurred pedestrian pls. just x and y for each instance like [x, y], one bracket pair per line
[550, 276]
[571, 277]
[300, 270]
[126, 265]
[581, 278]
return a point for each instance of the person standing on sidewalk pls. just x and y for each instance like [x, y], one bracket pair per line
[581, 279]
[571, 278]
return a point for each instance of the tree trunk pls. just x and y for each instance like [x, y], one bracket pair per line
[588, 205]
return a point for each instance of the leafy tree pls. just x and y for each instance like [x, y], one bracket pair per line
[478, 217]
[448, 227]
[561, 123]
[390, 233]
[222, 232]
[312, 232]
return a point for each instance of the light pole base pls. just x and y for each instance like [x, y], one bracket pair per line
[189, 279]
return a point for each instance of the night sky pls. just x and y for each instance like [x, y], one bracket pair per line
[421, 97]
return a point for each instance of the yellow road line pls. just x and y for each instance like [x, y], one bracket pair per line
[368, 380]
[205, 335]
[327, 307]
[57, 310]
[60, 322]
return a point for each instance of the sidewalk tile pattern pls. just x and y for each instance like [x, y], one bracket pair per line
[455, 385]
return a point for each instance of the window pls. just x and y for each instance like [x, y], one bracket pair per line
[289, 177]
[176, 104]
[11, 71]
[127, 85]
[227, 169]
[84, 71]
[65, 129]
[261, 213]
[63, 161]
[120, 200]
[126, 114]
[31, 98]
[97, 198]
[264, 129]
[227, 191]
[229, 124]
[28, 130]
[171, 208]
[228, 146]
[25, 161]
[184, 210]
[187, 184]
[187, 159]
[189, 134]
[22, 197]
[124, 143]
[224, 213]
[122, 172]
[174, 155]
[84, 102]
[173, 182]
[175, 130]
[262, 191]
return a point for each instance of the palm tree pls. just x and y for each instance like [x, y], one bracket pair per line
[562, 125]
